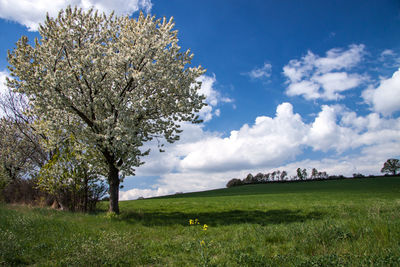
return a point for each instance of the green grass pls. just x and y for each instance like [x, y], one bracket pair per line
[352, 222]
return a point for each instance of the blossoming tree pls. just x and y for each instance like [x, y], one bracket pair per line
[113, 82]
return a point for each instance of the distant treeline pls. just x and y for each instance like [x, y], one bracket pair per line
[282, 177]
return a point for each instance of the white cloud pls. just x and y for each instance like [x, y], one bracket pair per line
[326, 134]
[206, 113]
[3, 87]
[371, 121]
[268, 141]
[315, 77]
[260, 73]
[136, 193]
[335, 82]
[3, 76]
[205, 160]
[385, 98]
[389, 59]
[160, 163]
[31, 13]
[308, 89]
[213, 97]
[387, 53]
[207, 89]
[338, 59]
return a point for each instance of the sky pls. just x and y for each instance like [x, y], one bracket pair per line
[289, 84]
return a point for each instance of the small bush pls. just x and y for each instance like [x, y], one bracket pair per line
[24, 191]
[234, 182]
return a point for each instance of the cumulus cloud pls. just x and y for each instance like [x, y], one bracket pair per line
[327, 134]
[308, 89]
[168, 161]
[213, 97]
[315, 77]
[31, 13]
[205, 160]
[385, 98]
[336, 82]
[261, 73]
[249, 146]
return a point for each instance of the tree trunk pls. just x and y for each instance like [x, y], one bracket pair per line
[113, 181]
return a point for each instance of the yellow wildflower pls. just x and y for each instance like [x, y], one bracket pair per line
[205, 227]
[191, 222]
[202, 243]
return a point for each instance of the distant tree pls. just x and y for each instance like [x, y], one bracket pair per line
[283, 175]
[234, 182]
[314, 173]
[259, 177]
[278, 174]
[391, 166]
[266, 177]
[358, 175]
[249, 179]
[273, 175]
[323, 175]
[299, 174]
[304, 174]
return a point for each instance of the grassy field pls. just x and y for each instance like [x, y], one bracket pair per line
[352, 222]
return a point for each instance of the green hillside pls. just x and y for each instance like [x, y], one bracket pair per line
[359, 185]
[354, 222]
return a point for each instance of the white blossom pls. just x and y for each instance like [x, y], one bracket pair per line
[113, 82]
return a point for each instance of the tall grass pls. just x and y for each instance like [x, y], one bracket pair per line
[327, 223]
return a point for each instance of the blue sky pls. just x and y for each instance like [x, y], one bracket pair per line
[289, 84]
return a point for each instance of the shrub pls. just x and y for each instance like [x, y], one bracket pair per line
[258, 178]
[249, 179]
[234, 182]
[24, 191]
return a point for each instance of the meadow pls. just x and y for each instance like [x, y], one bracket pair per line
[352, 222]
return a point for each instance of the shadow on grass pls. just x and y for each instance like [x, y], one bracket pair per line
[280, 216]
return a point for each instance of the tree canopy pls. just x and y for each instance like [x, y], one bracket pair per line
[391, 166]
[112, 82]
